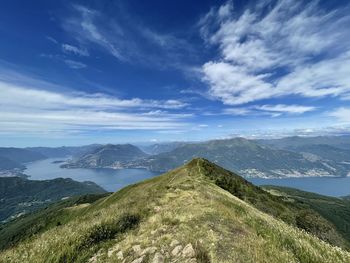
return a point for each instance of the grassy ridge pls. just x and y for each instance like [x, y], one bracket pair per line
[180, 216]
[306, 217]
[336, 210]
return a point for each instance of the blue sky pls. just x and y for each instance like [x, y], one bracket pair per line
[79, 72]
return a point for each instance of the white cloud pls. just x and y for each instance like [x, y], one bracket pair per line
[74, 64]
[225, 10]
[233, 85]
[281, 108]
[290, 48]
[75, 50]
[342, 114]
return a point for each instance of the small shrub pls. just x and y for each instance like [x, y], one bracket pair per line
[127, 222]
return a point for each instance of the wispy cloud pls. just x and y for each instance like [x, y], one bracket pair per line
[281, 108]
[237, 111]
[85, 28]
[126, 40]
[272, 110]
[27, 107]
[75, 64]
[51, 39]
[66, 48]
[43, 99]
[276, 50]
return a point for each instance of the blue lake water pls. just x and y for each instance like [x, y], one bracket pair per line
[113, 180]
[109, 179]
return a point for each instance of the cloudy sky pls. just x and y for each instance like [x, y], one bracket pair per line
[78, 72]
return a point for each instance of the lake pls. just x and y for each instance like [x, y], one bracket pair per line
[109, 179]
[113, 180]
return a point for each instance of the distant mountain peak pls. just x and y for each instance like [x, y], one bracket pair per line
[107, 156]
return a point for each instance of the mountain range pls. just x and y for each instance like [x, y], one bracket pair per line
[276, 158]
[198, 212]
[341, 142]
[247, 157]
[20, 155]
[64, 151]
[158, 148]
[13, 160]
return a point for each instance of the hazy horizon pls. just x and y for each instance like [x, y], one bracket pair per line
[153, 141]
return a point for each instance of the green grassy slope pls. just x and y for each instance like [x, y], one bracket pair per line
[181, 216]
[38, 222]
[336, 210]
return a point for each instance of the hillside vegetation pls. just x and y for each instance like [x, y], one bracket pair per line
[196, 213]
[19, 196]
[336, 210]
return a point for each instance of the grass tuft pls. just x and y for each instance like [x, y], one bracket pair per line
[201, 253]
